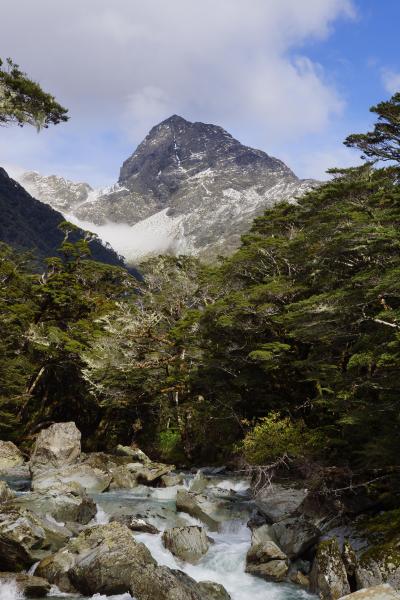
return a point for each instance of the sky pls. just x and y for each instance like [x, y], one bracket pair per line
[290, 77]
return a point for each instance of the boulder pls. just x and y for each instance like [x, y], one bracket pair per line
[152, 472]
[61, 505]
[328, 575]
[104, 462]
[199, 483]
[380, 564]
[299, 578]
[10, 456]
[135, 454]
[277, 502]
[105, 559]
[265, 558]
[171, 480]
[135, 524]
[123, 478]
[91, 480]
[28, 585]
[213, 591]
[57, 446]
[100, 560]
[295, 535]
[198, 507]
[5, 492]
[380, 592]
[187, 543]
[25, 538]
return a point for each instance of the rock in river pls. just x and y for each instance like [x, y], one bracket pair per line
[187, 543]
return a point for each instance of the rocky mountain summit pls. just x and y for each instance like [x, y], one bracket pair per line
[188, 188]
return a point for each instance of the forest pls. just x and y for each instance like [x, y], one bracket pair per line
[286, 351]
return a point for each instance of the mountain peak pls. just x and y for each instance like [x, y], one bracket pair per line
[189, 187]
[174, 120]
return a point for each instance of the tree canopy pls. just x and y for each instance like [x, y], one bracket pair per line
[290, 346]
[23, 102]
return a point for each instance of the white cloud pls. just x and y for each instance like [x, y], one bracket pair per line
[124, 65]
[391, 80]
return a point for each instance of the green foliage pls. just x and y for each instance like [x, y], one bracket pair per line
[383, 143]
[275, 436]
[22, 101]
[170, 446]
[297, 335]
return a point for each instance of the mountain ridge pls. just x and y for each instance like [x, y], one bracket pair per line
[199, 186]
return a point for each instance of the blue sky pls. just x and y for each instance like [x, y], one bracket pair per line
[292, 78]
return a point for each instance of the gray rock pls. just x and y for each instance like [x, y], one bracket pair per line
[264, 558]
[123, 478]
[380, 592]
[99, 560]
[152, 472]
[105, 559]
[199, 483]
[28, 585]
[187, 543]
[378, 565]
[273, 570]
[57, 446]
[5, 492]
[171, 480]
[213, 591]
[278, 502]
[91, 480]
[135, 524]
[63, 506]
[299, 578]
[25, 538]
[295, 535]
[133, 453]
[198, 507]
[10, 456]
[328, 574]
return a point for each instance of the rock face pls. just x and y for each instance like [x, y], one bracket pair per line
[28, 585]
[380, 592]
[378, 565]
[10, 456]
[60, 193]
[328, 575]
[191, 187]
[187, 543]
[105, 559]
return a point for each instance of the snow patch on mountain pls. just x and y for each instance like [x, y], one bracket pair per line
[158, 234]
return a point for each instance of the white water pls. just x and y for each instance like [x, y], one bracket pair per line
[224, 562]
[8, 591]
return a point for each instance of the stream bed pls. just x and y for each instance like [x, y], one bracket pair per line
[224, 562]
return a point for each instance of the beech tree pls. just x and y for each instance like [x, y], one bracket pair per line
[383, 143]
[23, 102]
